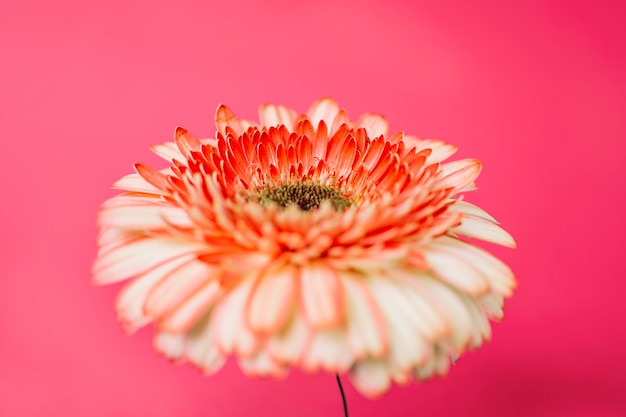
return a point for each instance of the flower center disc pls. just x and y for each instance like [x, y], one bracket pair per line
[305, 195]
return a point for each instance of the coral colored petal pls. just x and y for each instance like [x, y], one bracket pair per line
[325, 109]
[427, 318]
[288, 346]
[138, 257]
[272, 115]
[340, 119]
[170, 345]
[131, 299]
[328, 350]
[134, 182]
[154, 177]
[231, 332]
[168, 151]
[471, 210]
[201, 349]
[458, 174]
[176, 287]
[451, 306]
[184, 316]
[498, 274]
[321, 295]
[145, 216]
[224, 117]
[186, 142]
[486, 231]
[407, 345]
[272, 300]
[456, 272]
[365, 326]
[262, 364]
[375, 125]
[371, 378]
[440, 150]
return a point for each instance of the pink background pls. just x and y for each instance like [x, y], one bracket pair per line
[536, 90]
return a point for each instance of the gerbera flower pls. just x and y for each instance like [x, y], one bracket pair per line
[306, 241]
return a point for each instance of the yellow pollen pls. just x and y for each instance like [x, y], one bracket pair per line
[306, 195]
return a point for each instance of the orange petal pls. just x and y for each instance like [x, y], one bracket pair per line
[231, 332]
[321, 295]
[167, 150]
[365, 325]
[458, 174]
[187, 313]
[272, 300]
[187, 142]
[154, 177]
[371, 378]
[135, 182]
[328, 350]
[375, 125]
[179, 284]
[224, 117]
[485, 230]
[138, 257]
[288, 345]
[202, 351]
[273, 115]
[456, 271]
[325, 109]
[131, 299]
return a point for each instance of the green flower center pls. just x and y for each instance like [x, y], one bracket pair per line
[306, 195]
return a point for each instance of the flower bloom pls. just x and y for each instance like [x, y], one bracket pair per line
[306, 241]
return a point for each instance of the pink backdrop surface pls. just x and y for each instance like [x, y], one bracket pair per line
[536, 90]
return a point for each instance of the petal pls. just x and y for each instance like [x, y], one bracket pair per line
[224, 117]
[469, 209]
[170, 345]
[176, 287]
[134, 182]
[262, 364]
[272, 300]
[187, 142]
[455, 271]
[202, 351]
[426, 318]
[156, 178]
[328, 350]
[485, 230]
[325, 109]
[375, 125]
[289, 345]
[137, 257]
[231, 333]
[182, 318]
[340, 119]
[370, 378]
[272, 115]
[440, 150]
[148, 216]
[449, 304]
[439, 364]
[167, 150]
[321, 296]
[365, 325]
[132, 297]
[407, 346]
[458, 174]
[499, 275]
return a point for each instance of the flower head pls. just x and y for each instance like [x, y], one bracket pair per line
[305, 241]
